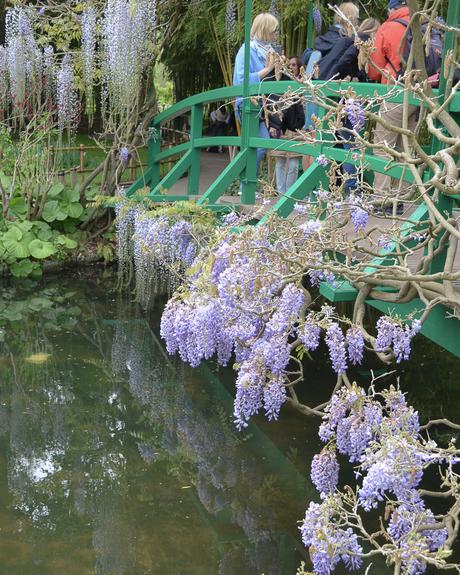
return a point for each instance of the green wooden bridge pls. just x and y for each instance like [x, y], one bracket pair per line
[440, 326]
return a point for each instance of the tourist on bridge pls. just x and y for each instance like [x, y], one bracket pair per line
[264, 32]
[384, 67]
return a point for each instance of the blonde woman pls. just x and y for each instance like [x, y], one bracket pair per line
[264, 32]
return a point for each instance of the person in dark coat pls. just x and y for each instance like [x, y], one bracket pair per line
[340, 28]
[342, 60]
[340, 63]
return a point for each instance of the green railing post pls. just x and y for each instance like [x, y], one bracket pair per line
[196, 131]
[153, 149]
[250, 120]
[445, 204]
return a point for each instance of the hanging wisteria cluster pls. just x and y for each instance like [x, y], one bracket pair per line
[380, 433]
[121, 41]
[230, 17]
[66, 95]
[128, 34]
[236, 300]
[160, 243]
[88, 49]
[23, 59]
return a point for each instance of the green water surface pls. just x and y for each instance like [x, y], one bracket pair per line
[117, 460]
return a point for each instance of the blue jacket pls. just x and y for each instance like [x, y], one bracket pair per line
[256, 64]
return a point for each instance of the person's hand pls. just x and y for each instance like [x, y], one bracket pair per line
[273, 133]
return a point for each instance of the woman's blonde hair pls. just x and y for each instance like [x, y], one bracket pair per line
[350, 14]
[263, 26]
[369, 26]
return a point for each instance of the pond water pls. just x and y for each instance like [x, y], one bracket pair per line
[118, 460]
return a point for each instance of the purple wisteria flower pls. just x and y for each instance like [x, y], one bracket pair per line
[355, 342]
[359, 217]
[317, 19]
[300, 208]
[230, 17]
[310, 227]
[88, 48]
[274, 395]
[336, 343]
[391, 335]
[230, 219]
[309, 333]
[66, 96]
[124, 154]
[355, 113]
[385, 242]
[321, 160]
[325, 471]
[328, 542]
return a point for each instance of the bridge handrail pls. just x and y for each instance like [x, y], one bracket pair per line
[329, 89]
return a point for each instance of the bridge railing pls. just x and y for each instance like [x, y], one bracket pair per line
[243, 165]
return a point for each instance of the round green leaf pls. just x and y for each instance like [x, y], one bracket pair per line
[41, 250]
[55, 190]
[66, 242]
[42, 231]
[22, 269]
[16, 244]
[71, 195]
[49, 212]
[18, 206]
[75, 210]
[61, 213]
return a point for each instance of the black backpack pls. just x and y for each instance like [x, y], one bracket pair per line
[434, 57]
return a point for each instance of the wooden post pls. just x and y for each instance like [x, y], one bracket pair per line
[82, 157]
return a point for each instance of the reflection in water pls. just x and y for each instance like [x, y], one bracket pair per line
[119, 462]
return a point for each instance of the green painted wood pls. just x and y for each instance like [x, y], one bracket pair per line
[303, 186]
[167, 197]
[173, 151]
[449, 42]
[331, 89]
[373, 163]
[341, 291]
[196, 131]
[225, 141]
[153, 151]
[141, 182]
[173, 175]
[224, 179]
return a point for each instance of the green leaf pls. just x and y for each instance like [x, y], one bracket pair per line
[22, 269]
[66, 242]
[61, 213]
[13, 233]
[41, 250]
[5, 180]
[39, 303]
[42, 231]
[55, 190]
[71, 195]
[50, 210]
[16, 244]
[18, 206]
[75, 210]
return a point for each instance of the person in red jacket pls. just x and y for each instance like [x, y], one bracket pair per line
[384, 67]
